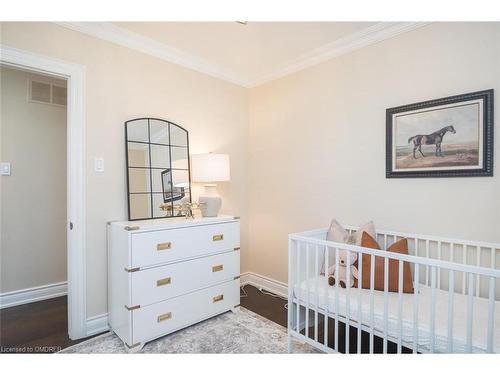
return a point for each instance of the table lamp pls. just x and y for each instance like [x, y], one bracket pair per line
[210, 168]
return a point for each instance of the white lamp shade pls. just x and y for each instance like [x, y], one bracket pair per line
[210, 167]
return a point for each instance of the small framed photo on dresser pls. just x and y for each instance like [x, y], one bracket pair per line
[447, 137]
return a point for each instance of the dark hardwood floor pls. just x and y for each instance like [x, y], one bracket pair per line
[41, 327]
[273, 308]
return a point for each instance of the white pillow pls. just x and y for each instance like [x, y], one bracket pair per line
[337, 233]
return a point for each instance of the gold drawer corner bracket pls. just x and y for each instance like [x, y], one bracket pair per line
[133, 307]
[130, 228]
[133, 345]
[132, 269]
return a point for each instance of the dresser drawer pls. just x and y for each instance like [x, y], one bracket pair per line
[157, 284]
[156, 247]
[164, 317]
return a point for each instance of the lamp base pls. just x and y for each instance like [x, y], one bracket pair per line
[210, 206]
[210, 201]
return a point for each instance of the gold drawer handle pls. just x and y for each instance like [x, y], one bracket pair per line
[218, 298]
[218, 237]
[164, 246]
[163, 317]
[164, 281]
[218, 268]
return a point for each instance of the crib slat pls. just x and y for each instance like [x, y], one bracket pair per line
[470, 302]
[400, 304]
[493, 256]
[297, 326]
[385, 241]
[360, 312]
[308, 296]
[316, 293]
[464, 261]
[327, 298]
[372, 285]
[491, 316]
[451, 294]
[439, 270]
[336, 338]
[291, 246]
[347, 304]
[433, 309]
[478, 263]
[415, 307]
[427, 252]
[386, 302]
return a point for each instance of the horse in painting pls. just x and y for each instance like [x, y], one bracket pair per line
[435, 138]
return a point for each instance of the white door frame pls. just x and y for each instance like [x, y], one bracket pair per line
[75, 75]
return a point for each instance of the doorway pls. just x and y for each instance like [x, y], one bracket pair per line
[74, 76]
[33, 197]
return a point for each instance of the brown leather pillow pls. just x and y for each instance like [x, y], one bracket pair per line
[400, 247]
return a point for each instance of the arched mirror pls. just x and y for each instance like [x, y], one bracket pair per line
[158, 176]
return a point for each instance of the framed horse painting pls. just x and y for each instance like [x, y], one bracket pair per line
[447, 137]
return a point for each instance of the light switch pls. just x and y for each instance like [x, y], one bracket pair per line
[5, 169]
[99, 164]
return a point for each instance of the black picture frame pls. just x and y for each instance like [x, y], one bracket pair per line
[486, 96]
[170, 192]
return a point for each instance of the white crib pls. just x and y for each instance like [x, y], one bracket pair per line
[455, 306]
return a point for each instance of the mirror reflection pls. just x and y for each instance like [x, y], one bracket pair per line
[179, 158]
[138, 131]
[179, 136]
[138, 154]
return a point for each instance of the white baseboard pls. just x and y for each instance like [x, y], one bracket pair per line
[97, 324]
[259, 281]
[38, 293]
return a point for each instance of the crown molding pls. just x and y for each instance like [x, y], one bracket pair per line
[360, 39]
[126, 38]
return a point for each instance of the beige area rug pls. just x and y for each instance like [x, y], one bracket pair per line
[240, 332]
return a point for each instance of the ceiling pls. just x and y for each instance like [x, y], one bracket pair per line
[251, 50]
[246, 54]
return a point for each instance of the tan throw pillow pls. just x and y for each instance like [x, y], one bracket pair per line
[368, 228]
[400, 247]
[337, 233]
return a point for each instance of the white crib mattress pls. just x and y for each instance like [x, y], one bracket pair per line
[480, 315]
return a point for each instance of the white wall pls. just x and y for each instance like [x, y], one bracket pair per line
[122, 84]
[33, 198]
[317, 143]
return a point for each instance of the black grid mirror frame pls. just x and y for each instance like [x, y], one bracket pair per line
[163, 159]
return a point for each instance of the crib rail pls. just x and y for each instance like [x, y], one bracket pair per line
[453, 307]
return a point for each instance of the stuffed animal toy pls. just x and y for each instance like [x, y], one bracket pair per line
[346, 259]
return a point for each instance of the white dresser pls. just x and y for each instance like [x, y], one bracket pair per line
[164, 275]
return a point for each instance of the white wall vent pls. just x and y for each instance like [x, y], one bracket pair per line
[47, 93]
